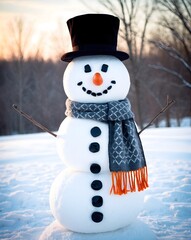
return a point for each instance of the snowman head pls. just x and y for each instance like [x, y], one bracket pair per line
[96, 78]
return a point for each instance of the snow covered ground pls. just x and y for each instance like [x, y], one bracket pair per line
[29, 164]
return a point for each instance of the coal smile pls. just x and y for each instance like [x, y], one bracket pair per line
[94, 94]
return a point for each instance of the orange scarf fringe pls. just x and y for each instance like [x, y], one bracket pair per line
[124, 182]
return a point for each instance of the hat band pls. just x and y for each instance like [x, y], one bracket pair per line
[94, 47]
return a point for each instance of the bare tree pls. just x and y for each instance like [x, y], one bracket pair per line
[176, 25]
[20, 50]
[30, 81]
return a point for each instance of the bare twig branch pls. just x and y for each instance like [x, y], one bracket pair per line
[28, 117]
[171, 51]
[160, 67]
[187, 7]
[178, 34]
[168, 104]
[175, 8]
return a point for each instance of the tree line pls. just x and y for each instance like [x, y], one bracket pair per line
[159, 66]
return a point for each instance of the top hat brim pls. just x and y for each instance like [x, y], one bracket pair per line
[68, 57]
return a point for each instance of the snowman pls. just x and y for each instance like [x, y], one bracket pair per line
[101, 187]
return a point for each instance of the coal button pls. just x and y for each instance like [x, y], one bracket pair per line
[96, 185]
[94, 147]
[95, 131]
[95, 168]
[97, 201]
[97, 217]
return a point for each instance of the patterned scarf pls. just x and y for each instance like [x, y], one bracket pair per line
[126, 157]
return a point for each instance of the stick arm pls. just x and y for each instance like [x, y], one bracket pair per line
[169, 103]
[28, 117]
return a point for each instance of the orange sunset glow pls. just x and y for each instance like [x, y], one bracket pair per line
[34, 28]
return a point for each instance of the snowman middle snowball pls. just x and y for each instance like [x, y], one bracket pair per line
[80, 84]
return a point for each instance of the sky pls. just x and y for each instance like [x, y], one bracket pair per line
[45, 17]
[40, 8]
[44, 24]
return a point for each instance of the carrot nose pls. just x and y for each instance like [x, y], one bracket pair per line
[97, 79]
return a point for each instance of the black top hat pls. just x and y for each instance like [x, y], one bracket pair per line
[94, 34]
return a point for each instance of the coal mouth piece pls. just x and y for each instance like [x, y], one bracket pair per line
[95, 94]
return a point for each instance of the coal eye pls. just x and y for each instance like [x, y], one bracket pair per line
[104, 68]
[87, 68]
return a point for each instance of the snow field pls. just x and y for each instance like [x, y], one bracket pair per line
[29, 164]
